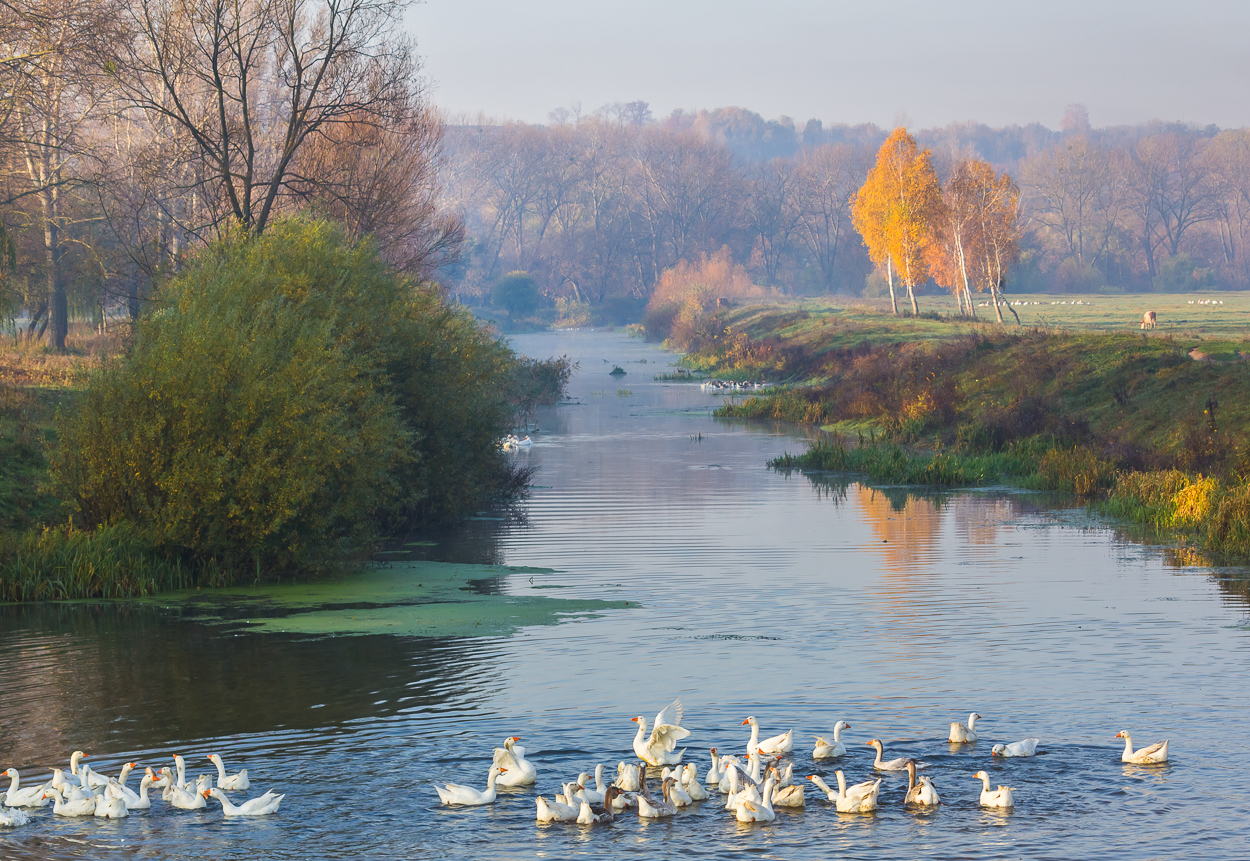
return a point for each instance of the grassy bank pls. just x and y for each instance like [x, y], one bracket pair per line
[1142, 426]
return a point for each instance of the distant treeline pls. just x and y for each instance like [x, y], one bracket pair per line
[597, 207]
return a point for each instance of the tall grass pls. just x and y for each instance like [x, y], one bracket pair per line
[892, 464]
[64, 563]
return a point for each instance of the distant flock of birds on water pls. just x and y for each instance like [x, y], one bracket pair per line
[514, 443]
[753, 788]
[730, 385]
[83, 792]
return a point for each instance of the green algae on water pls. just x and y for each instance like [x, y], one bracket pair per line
[431, 599]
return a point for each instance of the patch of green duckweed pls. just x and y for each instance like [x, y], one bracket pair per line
[433, 599]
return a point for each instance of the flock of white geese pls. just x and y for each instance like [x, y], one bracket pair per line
[83, 792]
[753, 787]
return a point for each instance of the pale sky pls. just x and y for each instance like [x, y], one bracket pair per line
[930, 61]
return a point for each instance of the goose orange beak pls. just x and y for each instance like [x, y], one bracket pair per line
[745, 722]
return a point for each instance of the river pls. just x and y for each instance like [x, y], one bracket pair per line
[751, 593]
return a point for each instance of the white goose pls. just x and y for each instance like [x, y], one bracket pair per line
[897, 764]
[690, 781]
[81, 807]
[588, 794]
[1152, 755]
[961, 734]
[740, 787]
[181, 765]
[166, 783]
[677, 794]
[554, 811]
[778, 744]
[13, 818]
[185, 799]
[714, 772]
[134, 800]
[262, 805]
[75, 759]
[58, 781]
[31, 796]
[860, 798]
[1024, 747]
[748, 810]
[785, 794]
[626, 777]
[111, 807]
[91, 781]
[1000, 797]
[237, 782]
[826, 749]
[456, 793]
[659, 748]
[518, 771]
[922, 793]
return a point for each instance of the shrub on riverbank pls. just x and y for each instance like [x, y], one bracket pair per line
[292, 398]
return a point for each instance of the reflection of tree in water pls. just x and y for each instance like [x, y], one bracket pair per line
[905, 523]
[117, 677]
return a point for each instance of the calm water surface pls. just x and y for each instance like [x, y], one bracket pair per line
[801, 603]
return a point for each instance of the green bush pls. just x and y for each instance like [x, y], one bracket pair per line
[292, 397]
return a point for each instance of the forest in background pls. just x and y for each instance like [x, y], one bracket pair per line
[128, 143]
[596, 208]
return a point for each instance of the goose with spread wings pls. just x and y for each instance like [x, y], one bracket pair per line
[659, 747]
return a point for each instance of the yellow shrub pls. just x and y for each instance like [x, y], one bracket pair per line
[1193, 503]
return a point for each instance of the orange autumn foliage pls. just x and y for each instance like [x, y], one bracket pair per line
[977, 239]
[896, 209]
[689, 291]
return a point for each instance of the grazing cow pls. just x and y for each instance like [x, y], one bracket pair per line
[1148, 320]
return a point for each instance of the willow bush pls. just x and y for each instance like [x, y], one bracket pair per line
[292, 398]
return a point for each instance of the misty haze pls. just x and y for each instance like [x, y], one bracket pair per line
[499, 430]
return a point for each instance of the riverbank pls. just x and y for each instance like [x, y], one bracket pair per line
[1152, 427]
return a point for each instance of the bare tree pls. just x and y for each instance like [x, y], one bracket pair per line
[827, 179]
[251, 81]
[383, 181]
[1228, 157]
[770, 208]
[1170, 192]
[51, 106]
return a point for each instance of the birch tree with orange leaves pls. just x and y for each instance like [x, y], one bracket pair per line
[897, 209]
[977, 239]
